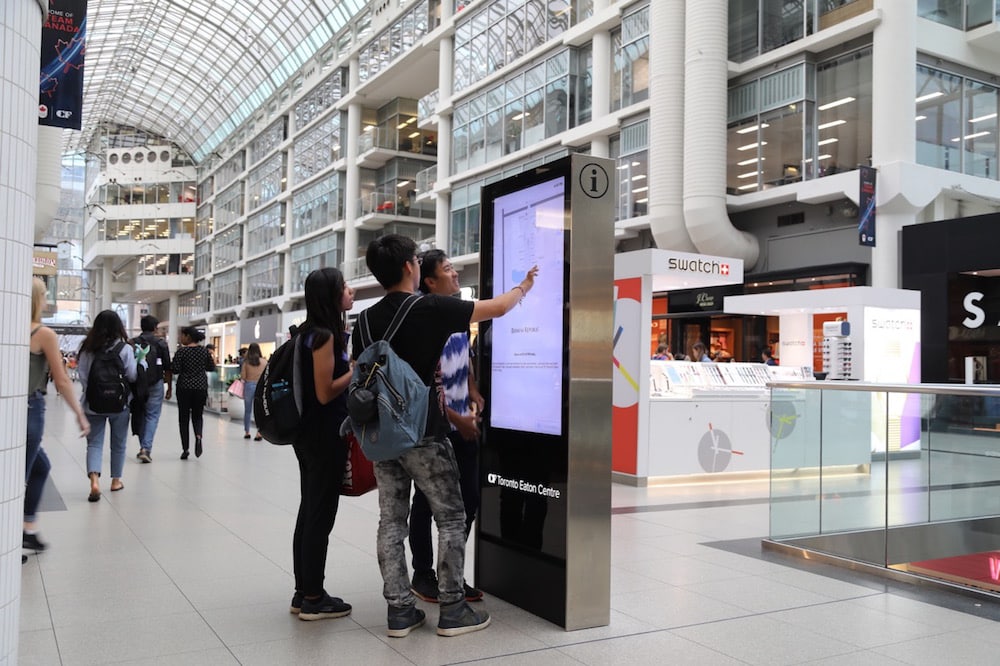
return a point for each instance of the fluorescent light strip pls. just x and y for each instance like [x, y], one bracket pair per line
[750, 161]
[747, 130]
[986, 117]
[821, 157]
[751, 146]
[830, 124]
[919, 118]
[924, 98]
[826, 141]
[839, 102]
[751, 186]
[971, 136]
[750, 174]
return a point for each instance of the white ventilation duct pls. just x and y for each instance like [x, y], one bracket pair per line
[705, 103]
[48, 179]
[666, 127]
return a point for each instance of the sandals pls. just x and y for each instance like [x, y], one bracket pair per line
[118, 487]
[94, 496]
[258, 437]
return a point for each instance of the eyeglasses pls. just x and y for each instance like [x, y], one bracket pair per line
[419, 260]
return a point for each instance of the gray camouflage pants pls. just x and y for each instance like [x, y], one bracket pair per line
[431, 465]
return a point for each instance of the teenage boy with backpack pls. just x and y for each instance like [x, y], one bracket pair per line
[159, 380]
[393, 261]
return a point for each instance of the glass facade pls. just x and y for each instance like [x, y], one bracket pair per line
[956, 123]
[266, 181]
[264, 278]
[803, 122]
[318, 205]
[526, 108]
[145, 229]
[228, 247]
[226, 290]
[320, 252]
[268, 140]
[203, 258]
[317, 149]
[319, 99]
[229, 206]
[134, 194]
[630, 77]
[394, 41]
[265, 229]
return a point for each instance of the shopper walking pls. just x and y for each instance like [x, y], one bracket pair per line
[44, 358]
[322, 454]
[106, 359]
[190, 363]
[250, 371]
[159, 379]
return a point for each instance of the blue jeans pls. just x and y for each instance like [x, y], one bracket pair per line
[431, 465]
[119, 439]
[36, 463]
[248, 391]
[154, 405]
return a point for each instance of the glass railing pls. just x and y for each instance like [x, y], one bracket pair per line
[427, 105]
[426, 180]
[893, 476]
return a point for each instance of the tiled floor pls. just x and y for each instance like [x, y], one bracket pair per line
[190, 564]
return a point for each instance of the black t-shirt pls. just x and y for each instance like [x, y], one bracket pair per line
[420, 339]
[320, 421]
[159, 349]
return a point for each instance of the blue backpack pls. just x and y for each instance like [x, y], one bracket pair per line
[387, 401]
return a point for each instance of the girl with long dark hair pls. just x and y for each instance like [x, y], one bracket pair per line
[104, 335]
[322, 454]
[190, 363]
[250, 371]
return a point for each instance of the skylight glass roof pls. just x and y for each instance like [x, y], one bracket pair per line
[193, 70]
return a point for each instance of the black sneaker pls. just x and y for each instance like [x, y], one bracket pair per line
[144, 456]
[296, 606]
[404, 620]
[459, 618]
[31, 542]
[473, 594]
[323, 608]
[425, 586]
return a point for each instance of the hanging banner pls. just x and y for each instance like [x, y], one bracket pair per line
[60, 98]
[866, 207]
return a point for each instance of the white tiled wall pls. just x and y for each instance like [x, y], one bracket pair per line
[20, 35]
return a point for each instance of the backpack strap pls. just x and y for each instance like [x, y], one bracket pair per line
[404, 309]
[401, 313]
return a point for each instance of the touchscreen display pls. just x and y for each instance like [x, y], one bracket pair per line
[526, 371]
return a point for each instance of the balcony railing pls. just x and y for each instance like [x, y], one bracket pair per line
[888, 477]
[426, 180]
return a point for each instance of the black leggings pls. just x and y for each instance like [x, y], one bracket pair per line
[191, 406]
[321, 471]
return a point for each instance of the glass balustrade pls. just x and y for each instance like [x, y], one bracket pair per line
[892, 476]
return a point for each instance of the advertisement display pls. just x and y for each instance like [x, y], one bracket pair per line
[64, 34]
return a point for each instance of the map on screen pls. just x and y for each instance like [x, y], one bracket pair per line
[527, 346]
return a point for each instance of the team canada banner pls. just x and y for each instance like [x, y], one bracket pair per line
[64, 34]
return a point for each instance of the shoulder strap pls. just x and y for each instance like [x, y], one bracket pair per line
[397, 320]
[401, 313]
[35, 329]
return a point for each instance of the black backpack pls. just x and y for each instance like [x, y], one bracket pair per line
[107, 387]
[277, 402]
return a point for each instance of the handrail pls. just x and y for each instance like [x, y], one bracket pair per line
[869, 387]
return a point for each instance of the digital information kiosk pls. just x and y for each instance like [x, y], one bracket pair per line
[544, 529]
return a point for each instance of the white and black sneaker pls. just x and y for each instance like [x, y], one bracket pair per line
[144, 456]
[402, 621]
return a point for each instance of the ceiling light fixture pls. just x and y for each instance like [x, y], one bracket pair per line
[839, 102]
[924, 98]
[830, 124]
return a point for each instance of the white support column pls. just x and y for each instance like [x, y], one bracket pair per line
[172, 325]
[442, 210]
[894, 90]
[352, 186]
[600, 101]
[20, 33]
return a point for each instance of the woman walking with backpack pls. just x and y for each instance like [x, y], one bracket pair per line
[322, 454]
[191, 362]
[107, 364]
